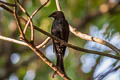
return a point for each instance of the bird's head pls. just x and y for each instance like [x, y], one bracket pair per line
[57, 15]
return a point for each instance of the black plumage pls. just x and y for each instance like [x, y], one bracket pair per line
[60, 29]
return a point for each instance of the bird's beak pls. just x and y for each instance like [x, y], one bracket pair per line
[50, 15]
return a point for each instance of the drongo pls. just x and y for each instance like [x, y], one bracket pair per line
[60, 29]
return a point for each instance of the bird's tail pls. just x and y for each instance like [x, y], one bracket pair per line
[59, 64]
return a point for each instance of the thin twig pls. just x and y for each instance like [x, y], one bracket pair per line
[18, 22]
[31, 22]
[33, 14]
[43, 43]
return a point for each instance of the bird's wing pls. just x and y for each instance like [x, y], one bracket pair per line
[60, 29]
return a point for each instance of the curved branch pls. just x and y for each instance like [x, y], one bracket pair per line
[44, 43]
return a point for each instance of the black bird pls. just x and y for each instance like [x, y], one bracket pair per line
[60, 29]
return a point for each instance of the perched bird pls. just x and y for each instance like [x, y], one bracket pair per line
[60, 29]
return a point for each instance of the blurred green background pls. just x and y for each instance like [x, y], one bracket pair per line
[20, 63]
